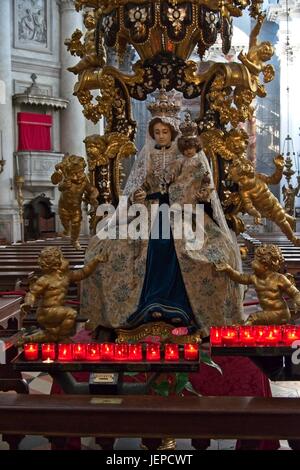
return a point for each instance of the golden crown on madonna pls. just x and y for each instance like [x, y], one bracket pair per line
[164, 106]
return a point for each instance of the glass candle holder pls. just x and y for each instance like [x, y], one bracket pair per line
[230, 335]
[31, 351]
[290, 333]
[121, 352]
[171, 352]
[191, 352]
[79, 352]
[65, 352]
[92, 352]
[48, 351]
[135, 352]
[247, 336]
[216, 336]
[153, 352]
[261, 332]
[107, 351]
[273, 336]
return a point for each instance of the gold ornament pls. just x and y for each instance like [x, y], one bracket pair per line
[107, 152]
[270, 286]
[289, 194]
[161, 329]
[57, 320]
[91, 58]
[75, 188]
[256, 57]
[256, 198]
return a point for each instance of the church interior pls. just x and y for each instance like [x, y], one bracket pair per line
[149, 225]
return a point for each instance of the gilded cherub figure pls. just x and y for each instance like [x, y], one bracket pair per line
[255, 59]
[257, 200]
[75, 188]
[270, 285]
[91, 56]
[57, 320]
[289, 195]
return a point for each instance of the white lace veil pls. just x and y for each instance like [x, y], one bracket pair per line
[141, 165]
[218, 213]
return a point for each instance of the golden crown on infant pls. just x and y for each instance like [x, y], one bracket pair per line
[164, 106]
[188, 128]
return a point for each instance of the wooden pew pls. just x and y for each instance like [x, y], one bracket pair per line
[150, 416]
[290, 252]
[10, 312]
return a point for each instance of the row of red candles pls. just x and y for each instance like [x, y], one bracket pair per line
[109, 352]
[278, 335]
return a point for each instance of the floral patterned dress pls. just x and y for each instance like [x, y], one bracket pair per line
[116, 294]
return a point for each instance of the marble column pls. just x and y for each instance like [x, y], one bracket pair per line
[72, 120]
[8, 213]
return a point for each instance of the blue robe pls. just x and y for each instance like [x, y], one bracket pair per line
[163, 288]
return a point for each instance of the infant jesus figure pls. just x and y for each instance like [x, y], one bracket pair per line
[189, 175]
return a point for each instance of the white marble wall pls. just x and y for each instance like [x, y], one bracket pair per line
[32, 38]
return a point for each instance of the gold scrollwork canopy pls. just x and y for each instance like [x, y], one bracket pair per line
[164, 33]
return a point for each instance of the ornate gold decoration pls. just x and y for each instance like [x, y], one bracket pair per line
[75, 188]
[256, 198]
[161, 329]
[167, 443]
[74, 44]
[94, 112]
[290, 192]
[233, 106]
[164, 34]
[91, 56]
[270, 286]
[57, 320]
[181, 24]
[106, 153]
[256, 57]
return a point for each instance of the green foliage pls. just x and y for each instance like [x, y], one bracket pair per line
[178, 382]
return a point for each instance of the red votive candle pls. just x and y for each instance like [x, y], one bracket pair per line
[92, 352]
[171, 352]
[153, 352]
[31, 351]
[290, 334]
[260, 334]
[191, 352]
[135, 352]
[48, 351]
[273, 337]
[247, 336]
[216, 336]
[230, 336]
[65, 352]
[107, 351]
[79, 352]
[121, 352]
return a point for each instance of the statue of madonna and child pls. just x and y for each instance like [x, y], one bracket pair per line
[158, 276]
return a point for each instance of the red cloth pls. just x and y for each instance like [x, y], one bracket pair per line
[240, 378]
[34, 132]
